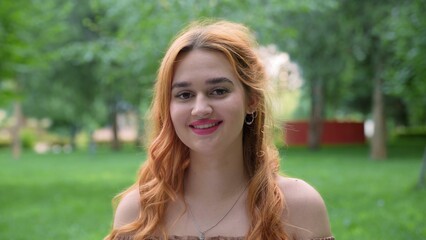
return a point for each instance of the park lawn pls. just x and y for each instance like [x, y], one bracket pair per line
[68, 196]
[366, 199]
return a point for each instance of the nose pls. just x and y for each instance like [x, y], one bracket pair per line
[201, 107]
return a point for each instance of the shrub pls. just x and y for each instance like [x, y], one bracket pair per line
[28, 138]
[418, 132]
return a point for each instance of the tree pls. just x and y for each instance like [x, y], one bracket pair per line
[96, 55]
[318, 52]
[21, 54]
[407, 40]
[352, 46]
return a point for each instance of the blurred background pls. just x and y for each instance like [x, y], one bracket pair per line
[347, 86]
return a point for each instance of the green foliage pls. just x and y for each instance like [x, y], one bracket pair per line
[28, 138]
[27, 30]
[411, 132]
[391, 39]
[408, 42]
[75, 61]
[4, 141]
[345, 44]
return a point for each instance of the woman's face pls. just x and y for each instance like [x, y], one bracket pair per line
[208, 103]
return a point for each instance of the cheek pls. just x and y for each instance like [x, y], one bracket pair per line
[173, 114]
[177, 114]
[237, 111]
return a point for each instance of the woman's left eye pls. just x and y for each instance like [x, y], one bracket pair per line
[220, 91]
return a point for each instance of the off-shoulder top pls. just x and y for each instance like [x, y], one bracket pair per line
[207, 238]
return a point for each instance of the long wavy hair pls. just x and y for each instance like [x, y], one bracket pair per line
[161, 178]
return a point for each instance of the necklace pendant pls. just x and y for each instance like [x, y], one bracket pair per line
[201, 237]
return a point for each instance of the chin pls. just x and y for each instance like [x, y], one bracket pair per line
[204, 150]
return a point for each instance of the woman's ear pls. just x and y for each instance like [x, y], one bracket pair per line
[252, 104]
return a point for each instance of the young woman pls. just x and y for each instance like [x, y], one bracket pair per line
[212, 171]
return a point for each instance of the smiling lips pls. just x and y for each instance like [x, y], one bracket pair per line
[205, 126]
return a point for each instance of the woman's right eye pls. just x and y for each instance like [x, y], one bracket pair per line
[184, 95]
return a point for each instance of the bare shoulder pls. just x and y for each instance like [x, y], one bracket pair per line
[306, 214]
[128, 209]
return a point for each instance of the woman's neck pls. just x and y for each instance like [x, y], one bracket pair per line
[214, 177]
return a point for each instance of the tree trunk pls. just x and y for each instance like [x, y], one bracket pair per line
[16, 130]
[378, 141]
[73, 134]
[423, 171]
[139, 143]
[316, 118]
[115, 143]
[92, 143]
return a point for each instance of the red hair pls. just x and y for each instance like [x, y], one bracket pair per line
[161, 178]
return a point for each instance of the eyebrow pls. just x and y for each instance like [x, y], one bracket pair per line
[212, 81]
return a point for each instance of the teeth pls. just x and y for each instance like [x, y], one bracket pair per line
[205, 126]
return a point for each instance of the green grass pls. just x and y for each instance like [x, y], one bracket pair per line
[62, 196]
[68, 196]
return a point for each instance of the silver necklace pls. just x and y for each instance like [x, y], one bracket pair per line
[203, 233]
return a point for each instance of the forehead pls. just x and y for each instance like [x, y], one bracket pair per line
[201, 65]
